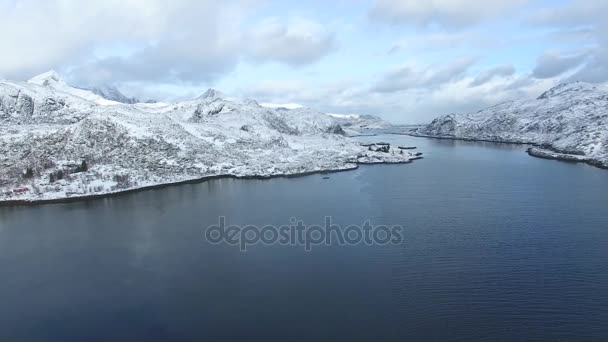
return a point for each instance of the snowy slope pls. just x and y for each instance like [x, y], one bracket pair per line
[52, 80]
[112, 93]
[569, 121]
[360, 123]
[47, 129]
[281, 105]
[352, 124]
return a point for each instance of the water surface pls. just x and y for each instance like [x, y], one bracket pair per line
[498, 246]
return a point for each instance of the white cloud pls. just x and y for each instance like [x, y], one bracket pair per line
[492, 73]
[297, 91]
[170, 40]
[445, 13]
[582, 20]
[298, 42]
[443, 41]
[43, 34]
[554, 63]
[572, 13]
[428, 76]
[410, 105]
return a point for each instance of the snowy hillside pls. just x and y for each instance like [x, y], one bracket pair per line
[52, 81]
[58, 142]
[352, 124]
[569, 121]
[360, 123]
[113, 94]
[103, 94]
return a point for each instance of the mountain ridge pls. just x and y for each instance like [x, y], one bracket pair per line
[112, 93]
[568, 121]
[48, 130]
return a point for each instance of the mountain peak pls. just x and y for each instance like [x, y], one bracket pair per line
[49, 77]
[567, 88]
[213, 94]
[110, 92]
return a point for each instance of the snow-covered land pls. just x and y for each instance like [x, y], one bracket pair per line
[569, 121]
[352, 124]
[112, 93]
[59, 142]
[358, 124]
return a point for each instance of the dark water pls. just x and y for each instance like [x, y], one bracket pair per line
[498, 246]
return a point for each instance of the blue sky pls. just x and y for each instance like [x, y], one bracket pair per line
[406, 61]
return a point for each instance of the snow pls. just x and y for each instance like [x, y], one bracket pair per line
[358, 124]
[51, 127]
[49, 76]
[213, 94]
[282, 105]
[352, 124]
[53, 80]
[569, 121]
[104, 95]
[153, 105]
[111, 93]
[345, 116]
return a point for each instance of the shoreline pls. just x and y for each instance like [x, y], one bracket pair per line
[549, 154]
[468, 139]
[31, 203]
[536, 151]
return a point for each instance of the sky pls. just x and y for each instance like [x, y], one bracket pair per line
[405, 61]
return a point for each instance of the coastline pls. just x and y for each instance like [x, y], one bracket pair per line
[549, 154]
[467, 139]
[536, 150]
[28, 203]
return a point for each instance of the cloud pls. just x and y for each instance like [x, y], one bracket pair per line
[187, 41]
[575, 34]
[487, 75]
[442, 41]
[319, 96]
[552, 64]
[582, 21]
[43, 34]
[169, 60]
[430, 76]
[50, 34]
[445, 13]
[595, 70]
[408, 106]
[297, 43]
[406, 94]
[572, 13]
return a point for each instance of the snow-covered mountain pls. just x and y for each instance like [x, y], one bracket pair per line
[360, 123]
[569, 121]
[281, 105]
[48, 129]
[102, 94]
[51, 80]
[352, 124]
[111, 93]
